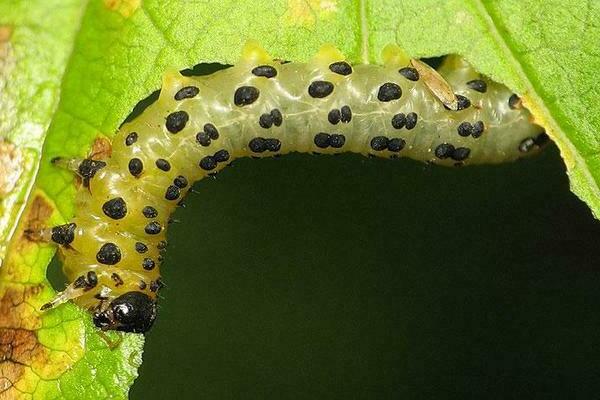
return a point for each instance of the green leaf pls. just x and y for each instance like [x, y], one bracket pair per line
[77, 69]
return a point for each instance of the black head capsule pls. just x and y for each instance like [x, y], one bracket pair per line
[131, 312]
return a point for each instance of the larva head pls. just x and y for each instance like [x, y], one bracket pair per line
[131, 312]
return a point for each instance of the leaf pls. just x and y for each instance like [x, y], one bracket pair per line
[106, 55]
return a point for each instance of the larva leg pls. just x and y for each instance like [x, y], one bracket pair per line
[74, 290]
[85, 168]
[60, 234]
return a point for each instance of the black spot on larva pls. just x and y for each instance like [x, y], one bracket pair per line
[142, 285]
[321, 140]
[266, 71]
[161, 245]
[117, 279]
[63, 234]
[187, 93]
[156, 285]
[460, 153]
[409, 73]
[341, 68]
[148, 264]
[272, 145]
[464, 129]
[92, 279]
[514, 102]
[211, 131]
[478, 128]
[257, 145]
[320, 89]
[149, 212]
[346, 114]
[477, 85]
[379, 143]
[180, 181]
[337, 141]
[141, 247]
[109, 254]
[88, 168]
[203, 139]
[398, 121]
[389, 91]
[131, 138]
[526, 145]
[411, 120]
[444, 150]
[135, 166]
[334, 116]
[396, 144]
[208, 163]
[276, 117]
[153, 228]
[463, 102]
[265, 120]
[245, 95]
[172, 192]
[163, 164]
[176, 121]
[115, 208]
[221, 156]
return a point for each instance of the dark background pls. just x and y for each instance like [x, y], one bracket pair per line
[347, 277]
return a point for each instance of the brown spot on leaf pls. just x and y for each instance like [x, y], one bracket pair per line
[124, 7]
[101, 149]
[19, 346]
[37, 216]
[11, 166]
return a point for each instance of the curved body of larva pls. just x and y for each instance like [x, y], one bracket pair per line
[262, 107]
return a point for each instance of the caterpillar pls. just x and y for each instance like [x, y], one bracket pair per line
[112, 248]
